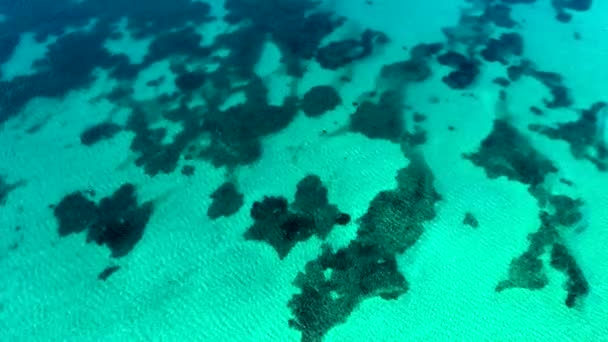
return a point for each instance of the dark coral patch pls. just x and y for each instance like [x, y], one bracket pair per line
[452, 59]
[190, 81]
[501, 81]
[577, 284]
[562, 6]
[72, 58]
[500, 15]
[358, 272]
[340, 53]
[8, 42]
[75, 213]
[516, 71]
[68, 65]
[235, 132]
[185, 42]
[567, 210]
[506, 152]
[296, 27]
[343, 219]
[394, 218]
[277, 226]
[99, 132]
[227, 201]
[333, 285]
[527, 271]
[382, 120]
[585, 135]
[121, 221]
[188, 170]
[319, 100]
[117, 221]
[399, 73]
[425, 50]
[560, 94]
[282, 225]
[501, 49]
[148, 144]
[463, 77]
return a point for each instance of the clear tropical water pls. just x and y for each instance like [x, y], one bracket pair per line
[300, 170]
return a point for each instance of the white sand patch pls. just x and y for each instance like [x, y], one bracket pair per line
[552, 46]
[270, 61]
[134, 49]
[159, 71]
[25, 55]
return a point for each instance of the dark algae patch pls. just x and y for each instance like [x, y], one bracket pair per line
[335, 283]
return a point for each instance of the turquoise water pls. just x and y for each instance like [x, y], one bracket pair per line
[300, 170]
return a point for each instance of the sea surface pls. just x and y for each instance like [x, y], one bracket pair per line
[303, 170]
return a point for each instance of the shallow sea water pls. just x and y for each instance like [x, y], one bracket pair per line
[302, 170]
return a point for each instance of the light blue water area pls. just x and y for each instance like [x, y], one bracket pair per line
[302, 170]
